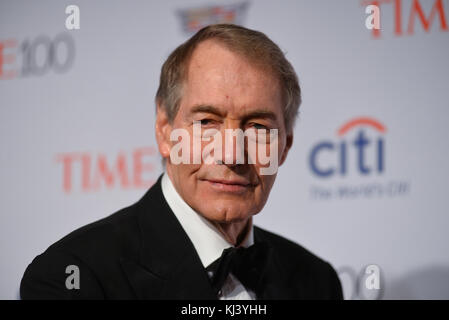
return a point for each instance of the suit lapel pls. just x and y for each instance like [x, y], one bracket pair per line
[276, 285]
[167, 266]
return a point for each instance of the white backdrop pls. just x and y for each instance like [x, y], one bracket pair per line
[77, 117]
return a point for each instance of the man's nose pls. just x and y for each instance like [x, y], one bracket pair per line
[233, 145]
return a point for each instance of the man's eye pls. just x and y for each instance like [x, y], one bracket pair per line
[205, 122]
[258, 126]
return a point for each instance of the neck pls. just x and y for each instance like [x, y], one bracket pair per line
[235, 232]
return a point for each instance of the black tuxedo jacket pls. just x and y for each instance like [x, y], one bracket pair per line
[142, 252]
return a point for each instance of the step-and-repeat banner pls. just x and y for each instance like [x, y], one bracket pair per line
[364, 187]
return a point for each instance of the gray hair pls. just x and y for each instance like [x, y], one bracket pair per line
[254, 45]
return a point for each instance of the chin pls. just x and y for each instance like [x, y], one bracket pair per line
[226, 214]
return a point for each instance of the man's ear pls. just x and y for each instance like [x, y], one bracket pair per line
[163, 130]
[288, 145]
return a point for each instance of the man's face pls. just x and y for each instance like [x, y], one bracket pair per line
[224, 91]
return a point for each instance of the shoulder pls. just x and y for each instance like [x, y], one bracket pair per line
[94, 249]
[286, 248]
[312, 273]
[105, 234]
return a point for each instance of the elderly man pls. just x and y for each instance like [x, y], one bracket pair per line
[191, 236]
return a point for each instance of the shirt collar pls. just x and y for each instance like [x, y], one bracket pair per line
[209, 243]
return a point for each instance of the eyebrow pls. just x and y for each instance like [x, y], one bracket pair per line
[206, 109]
[253, 114]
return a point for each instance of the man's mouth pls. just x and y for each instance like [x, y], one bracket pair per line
[233, 186]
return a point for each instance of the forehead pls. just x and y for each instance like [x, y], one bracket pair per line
[227, 80]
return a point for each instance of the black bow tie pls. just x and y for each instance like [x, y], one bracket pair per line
[247, 264]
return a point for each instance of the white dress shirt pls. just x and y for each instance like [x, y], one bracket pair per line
[209, 243]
